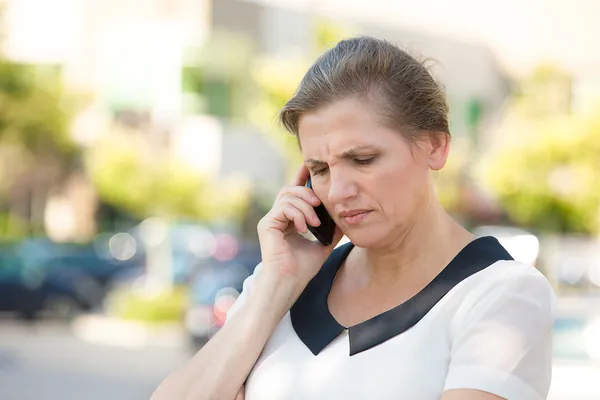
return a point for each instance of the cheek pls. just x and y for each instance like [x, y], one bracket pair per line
[402, 187]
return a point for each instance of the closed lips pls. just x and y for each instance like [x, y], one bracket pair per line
[352, 213]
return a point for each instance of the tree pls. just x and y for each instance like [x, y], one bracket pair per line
[547, 173]
[36, 152]
[34, 143]
[131, 175]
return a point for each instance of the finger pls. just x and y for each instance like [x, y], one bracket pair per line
[307, 209]
[302, 192]
[291, 213]
[301, 176]
[284, 214]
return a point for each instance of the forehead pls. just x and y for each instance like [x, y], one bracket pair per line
[342, 126]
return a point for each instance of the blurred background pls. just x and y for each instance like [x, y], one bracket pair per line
[139, 149]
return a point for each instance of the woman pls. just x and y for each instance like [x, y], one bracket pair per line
[414, 307]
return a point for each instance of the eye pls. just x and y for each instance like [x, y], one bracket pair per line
[320, 171]
[364, 161]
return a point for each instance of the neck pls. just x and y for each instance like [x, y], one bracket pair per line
[420, 250]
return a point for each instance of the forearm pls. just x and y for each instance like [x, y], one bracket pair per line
[220, 368]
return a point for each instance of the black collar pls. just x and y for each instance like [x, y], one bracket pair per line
[316, 327]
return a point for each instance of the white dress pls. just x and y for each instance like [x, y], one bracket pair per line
[488, 328]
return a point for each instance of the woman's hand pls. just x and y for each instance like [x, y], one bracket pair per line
[286, 253]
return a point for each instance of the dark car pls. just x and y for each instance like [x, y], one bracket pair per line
[86, 262]
[214, 287]
[30, 290]
[94, 260]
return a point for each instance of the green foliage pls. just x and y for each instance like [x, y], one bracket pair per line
[164, 306]
[145, 182]
[546, 170]
[12, 227]
[549, 177]
[31, 112]
[277, 80]
[35, 147]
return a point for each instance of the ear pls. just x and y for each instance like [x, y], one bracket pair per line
[439, 146]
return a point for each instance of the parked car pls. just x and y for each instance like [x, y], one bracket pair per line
[214, 287]
[30, 291]
[86, 261]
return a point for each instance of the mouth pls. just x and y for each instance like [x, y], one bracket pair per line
[354, 216]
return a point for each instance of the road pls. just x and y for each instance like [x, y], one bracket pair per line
[49, 362]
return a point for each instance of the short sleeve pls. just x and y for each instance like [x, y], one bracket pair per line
[246, 289]
[503, 343]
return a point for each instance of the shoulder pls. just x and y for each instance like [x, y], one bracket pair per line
[514, 275]
[508, 290]
[502, 333]
[508, 278]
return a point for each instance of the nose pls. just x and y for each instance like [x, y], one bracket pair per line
[341, 187]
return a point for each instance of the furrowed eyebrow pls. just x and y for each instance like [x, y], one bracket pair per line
[354, 151]
[312, 161]
[351, 152]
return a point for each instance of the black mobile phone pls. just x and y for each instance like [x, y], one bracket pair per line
[324, 232]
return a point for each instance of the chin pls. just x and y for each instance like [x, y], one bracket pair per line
[366, 238]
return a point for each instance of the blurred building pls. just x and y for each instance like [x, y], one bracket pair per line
[130, 56]
[476, 83]
[126, 53]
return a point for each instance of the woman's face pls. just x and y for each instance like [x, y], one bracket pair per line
[370, 179]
